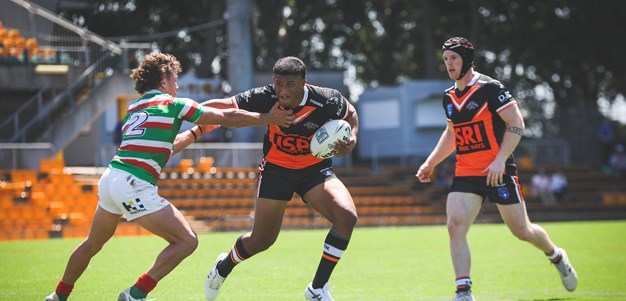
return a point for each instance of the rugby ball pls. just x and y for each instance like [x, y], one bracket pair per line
[325, 137]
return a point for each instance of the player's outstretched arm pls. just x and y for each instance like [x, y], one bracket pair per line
[241, 118]
[186, 138]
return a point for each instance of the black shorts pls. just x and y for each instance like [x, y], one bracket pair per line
[279, 183]
[510, 192]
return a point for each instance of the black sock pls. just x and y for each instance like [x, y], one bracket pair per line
[333, 250]
[237, 255]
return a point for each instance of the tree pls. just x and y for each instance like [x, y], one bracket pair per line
[552, 52]
[187, 29]
[561, 47]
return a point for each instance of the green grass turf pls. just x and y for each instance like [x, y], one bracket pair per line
[397, 263]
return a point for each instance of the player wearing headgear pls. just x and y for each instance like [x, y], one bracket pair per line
[484, 127]
[288, 167]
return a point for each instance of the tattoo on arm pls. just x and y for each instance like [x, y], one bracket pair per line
[515, 130]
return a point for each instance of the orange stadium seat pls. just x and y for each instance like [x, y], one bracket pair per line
[205, 164]
[51, 165]
[14, 33]
[185, 165]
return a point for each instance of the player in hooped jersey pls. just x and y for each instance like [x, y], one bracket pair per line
[128, 186]
[288, 167]
[484, 127]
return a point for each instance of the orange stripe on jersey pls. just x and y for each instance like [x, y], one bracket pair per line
[327, 257]
[459, 102]
[500, 109]
[302, 114]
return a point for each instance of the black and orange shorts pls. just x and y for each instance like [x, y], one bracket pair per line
[509, 192]
[279, 183]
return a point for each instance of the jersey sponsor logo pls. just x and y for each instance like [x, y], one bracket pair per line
[315, 102]
[339, 108]
[471, 137]
[327, 171]
[134, 207]
[472, 105]
[504, 95]
[292, 144]
[449, 110]
[310, 125]
[502, 191]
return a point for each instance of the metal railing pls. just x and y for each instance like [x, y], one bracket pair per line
[73, 46]
[10, 126]
[69, 44]
[66, 99]
[20, 155]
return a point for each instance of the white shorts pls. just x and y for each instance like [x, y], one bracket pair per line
[122, 193]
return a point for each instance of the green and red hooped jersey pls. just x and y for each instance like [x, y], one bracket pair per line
[150, 127]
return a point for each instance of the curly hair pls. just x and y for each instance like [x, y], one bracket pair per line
[153, 68]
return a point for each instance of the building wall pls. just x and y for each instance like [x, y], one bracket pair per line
[402, 121]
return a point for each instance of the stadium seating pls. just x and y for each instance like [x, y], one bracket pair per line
[15, 48]
[50, 202]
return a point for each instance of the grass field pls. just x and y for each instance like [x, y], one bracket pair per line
[399, 263]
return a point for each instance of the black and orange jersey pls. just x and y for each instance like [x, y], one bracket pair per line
[289, 147]
[478, 128]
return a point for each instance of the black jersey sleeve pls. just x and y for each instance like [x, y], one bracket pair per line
[336, 105]
[260, 99]
[498, 95]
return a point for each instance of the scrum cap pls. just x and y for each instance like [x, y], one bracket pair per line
[464, 48]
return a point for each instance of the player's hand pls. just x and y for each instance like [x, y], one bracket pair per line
[280, 117]
[207, 128]
[495, 172]
[424, 173]
[343, 148]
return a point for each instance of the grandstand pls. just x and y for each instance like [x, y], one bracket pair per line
[57, 201]
[44, 109]
[56, 78]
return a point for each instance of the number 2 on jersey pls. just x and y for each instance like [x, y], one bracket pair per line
[134, 123]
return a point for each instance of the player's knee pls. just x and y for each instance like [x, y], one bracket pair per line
[351, 219]
[189, 243]
[91, 247]
[456, 227]
[263, 244]
[523, 234]
[347, 220]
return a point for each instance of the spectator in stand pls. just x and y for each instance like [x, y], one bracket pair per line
[605, 134]
[618, 161]
[541, 188]
[558, 185]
